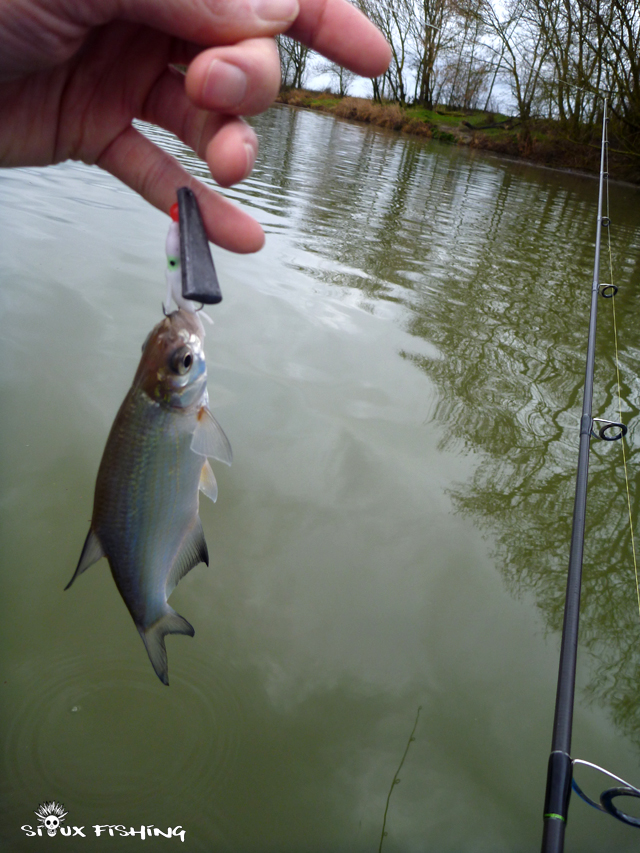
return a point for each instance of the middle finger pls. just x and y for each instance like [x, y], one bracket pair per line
[242, 79]
[227, 143]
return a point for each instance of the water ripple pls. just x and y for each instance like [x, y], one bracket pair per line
[125, 728]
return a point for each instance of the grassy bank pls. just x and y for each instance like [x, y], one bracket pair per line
[540, 141]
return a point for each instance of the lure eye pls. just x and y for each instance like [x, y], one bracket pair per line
[181, 361]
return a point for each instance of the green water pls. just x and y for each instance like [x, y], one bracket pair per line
[400, 373]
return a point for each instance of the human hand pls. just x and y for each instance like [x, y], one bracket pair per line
[74, 73]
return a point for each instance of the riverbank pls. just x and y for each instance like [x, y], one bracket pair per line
[541, 141]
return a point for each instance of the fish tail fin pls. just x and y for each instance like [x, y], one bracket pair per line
[153, 638]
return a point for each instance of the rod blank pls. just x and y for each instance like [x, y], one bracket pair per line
[559, 772]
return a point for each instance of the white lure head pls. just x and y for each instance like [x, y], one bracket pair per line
[174, 274]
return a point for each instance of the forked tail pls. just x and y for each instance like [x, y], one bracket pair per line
[153, 639]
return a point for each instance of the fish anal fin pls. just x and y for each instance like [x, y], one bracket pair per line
[208, 485]
[91, 553]
[209, 438]
[153, 638]
[194, 550]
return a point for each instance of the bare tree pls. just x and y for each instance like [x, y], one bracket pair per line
[557, 56]
[521, 51]
[393, 19]
[466, 68]
[429, 39]
[573, 39]
[293, 61]
[619, 23]
[342, 76]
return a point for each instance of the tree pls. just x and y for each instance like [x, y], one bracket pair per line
[619, 23]
[573, 40]
[521, 50]
[428, 32]
[392, 17]
[466, 71]
[342, 76]
[293, 61]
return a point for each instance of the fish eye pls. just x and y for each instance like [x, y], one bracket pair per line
[181, 361]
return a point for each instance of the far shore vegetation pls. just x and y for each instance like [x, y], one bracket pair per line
[456, 65]
[542, 141]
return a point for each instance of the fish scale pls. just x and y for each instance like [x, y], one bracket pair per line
[151, 515]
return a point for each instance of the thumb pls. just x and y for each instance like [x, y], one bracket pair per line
[40, 34]
[215, 22]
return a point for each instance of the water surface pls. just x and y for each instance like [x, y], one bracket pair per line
[400, 373]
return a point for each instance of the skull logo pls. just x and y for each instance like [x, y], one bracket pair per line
[52, 823]
[51, 816]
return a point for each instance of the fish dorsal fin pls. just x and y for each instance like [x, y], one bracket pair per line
[209, 438]
[91, 553]
[193, 551]
[208, 485]
[153, 638]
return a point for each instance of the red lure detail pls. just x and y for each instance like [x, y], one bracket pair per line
[173, 212]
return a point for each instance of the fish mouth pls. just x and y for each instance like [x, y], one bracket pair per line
[172, 369]
[182, 325]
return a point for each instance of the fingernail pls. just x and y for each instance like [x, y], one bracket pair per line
[251, 159]
[225, 85]
[276, 11]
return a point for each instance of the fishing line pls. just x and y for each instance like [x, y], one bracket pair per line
[614, 290]
[199, 142]
[182, 71]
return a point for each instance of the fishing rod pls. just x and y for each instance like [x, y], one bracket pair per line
[560, 768]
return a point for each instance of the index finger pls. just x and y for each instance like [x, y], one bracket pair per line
[343, 34]
[332, 27]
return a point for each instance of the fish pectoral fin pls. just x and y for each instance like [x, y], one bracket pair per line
[208, 485]
[91, 553]
[209, 438]
[153, 639]
[194, 550]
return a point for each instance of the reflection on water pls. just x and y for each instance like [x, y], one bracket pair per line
[400, 374]
[495, 263]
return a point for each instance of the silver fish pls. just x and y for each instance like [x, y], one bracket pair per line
[145, 514]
